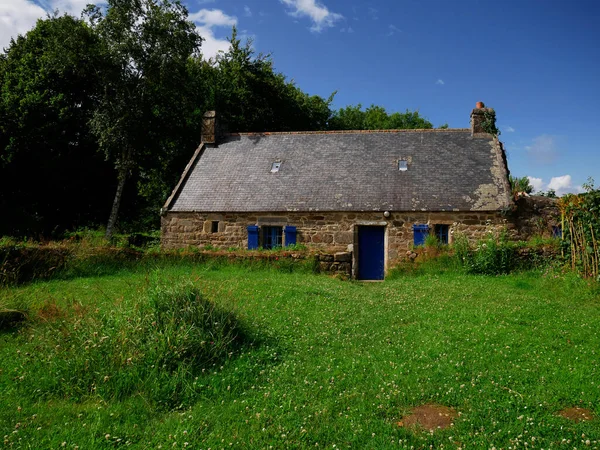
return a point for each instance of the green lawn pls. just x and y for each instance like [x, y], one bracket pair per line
[334, 364]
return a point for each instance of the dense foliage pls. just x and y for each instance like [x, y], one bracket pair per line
[581, 230]
[519, 185]
[107, 110]
[51, 175]
[376, 118]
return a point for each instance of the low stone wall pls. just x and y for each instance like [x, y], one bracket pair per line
[330, 231]
[535, 216]
[339, 263]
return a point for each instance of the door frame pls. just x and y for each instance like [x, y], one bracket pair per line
[356, 249]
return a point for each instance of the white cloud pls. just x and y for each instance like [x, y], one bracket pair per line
[318, 13]
[247, 11]
[373, 13]
[561, 185]
[213, 18]
[19, 16]
[544, 149]
[206, 20]
[509, 129]
[537, 184]
[440, 81]
[393, 29]
[347, 30]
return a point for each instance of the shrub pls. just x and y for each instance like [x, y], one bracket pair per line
[432, 241]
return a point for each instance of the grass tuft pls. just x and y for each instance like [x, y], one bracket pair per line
[153, 346]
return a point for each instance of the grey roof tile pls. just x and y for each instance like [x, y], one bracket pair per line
[351, 171]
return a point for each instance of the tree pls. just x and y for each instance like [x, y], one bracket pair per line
[249, 95]
[143, 103]
[348, 118]
[551, 193]
[376, 118]
[518, 185]
[51, 176]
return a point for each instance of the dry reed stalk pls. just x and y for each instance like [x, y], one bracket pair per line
[595, 255]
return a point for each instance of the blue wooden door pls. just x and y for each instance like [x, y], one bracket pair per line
[371, 253]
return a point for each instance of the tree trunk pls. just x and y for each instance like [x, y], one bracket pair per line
[112, 220]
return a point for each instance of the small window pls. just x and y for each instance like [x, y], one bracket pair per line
[557, 231]
[271, 237]
[402, 165]
[441, 232]
[214, 228]
[275, 167]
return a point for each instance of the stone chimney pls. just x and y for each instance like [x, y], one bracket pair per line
[209, 128]
[480, 120]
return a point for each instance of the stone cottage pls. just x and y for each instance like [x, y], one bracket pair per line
[373, 193]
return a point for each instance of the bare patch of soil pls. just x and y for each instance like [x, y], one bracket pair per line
[577, 414]
[430, 417]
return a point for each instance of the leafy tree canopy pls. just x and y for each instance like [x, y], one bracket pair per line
[249, 95]
[143, 101]
[375, 118]
[48, 91]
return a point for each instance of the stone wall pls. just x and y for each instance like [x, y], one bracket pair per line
[535, 216]
[331, 231]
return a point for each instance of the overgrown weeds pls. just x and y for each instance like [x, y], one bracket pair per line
[493, 255]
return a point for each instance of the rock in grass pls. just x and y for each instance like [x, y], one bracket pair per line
[10, 317]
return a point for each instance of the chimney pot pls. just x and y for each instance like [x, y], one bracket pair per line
[478, 117]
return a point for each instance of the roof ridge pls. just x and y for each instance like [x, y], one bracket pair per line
[417, 130]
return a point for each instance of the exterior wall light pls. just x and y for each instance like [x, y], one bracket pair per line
[386, 214]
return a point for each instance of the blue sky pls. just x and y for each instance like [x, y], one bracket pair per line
[536, 62]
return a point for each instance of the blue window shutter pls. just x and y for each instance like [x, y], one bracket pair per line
[290, 235]
[420, 232]
[252, 237]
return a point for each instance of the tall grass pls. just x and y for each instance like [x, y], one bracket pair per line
[152, 345]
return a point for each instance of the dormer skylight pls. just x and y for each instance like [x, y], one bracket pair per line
[275, 167]
[402, 165]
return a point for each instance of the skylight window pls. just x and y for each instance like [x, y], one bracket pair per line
[402, 165]
[275, 167]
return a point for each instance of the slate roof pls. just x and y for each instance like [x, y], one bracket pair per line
[448, 170]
